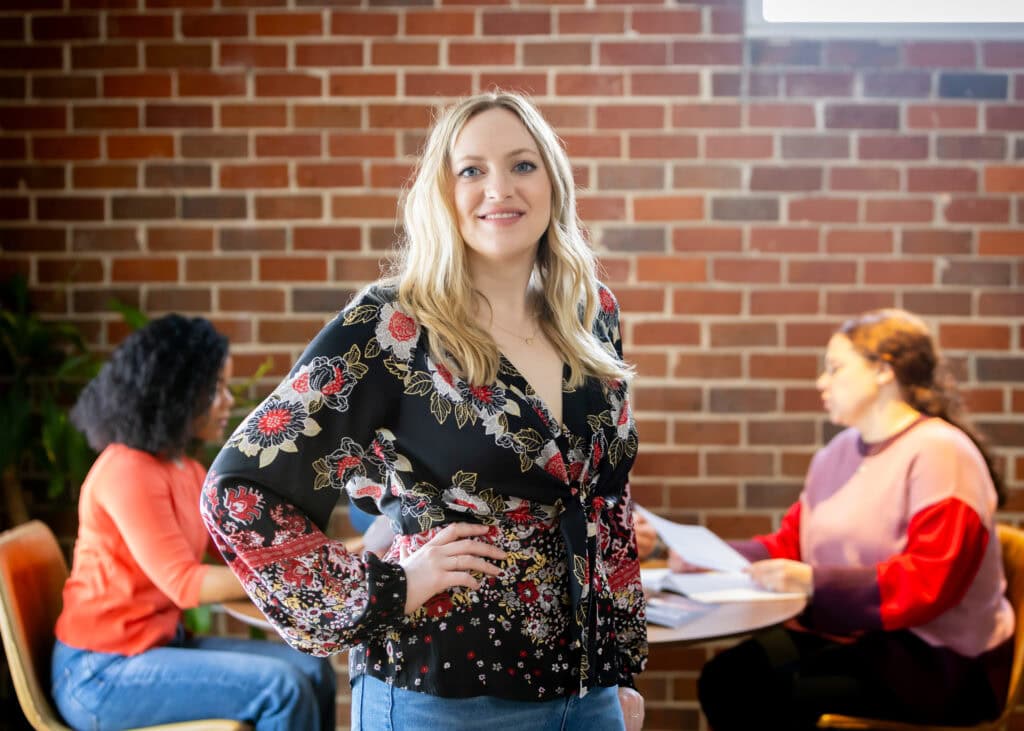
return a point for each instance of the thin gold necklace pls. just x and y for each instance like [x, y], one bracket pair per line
[528, 340]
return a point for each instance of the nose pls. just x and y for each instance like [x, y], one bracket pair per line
[499, 186]
[822, 382]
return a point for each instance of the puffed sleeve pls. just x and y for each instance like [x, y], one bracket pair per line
[270, 491]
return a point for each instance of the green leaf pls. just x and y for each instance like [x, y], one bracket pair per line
[198, 620]
[132, 316]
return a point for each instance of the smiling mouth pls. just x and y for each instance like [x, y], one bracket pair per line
[503, 216]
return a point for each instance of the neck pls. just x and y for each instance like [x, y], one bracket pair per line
[885, 420]
[506, 291]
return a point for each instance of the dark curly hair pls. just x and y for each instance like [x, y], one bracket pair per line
[153, 387]
[903, 340]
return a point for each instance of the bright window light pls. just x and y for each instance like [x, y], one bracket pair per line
[873, 19]
[893, 11]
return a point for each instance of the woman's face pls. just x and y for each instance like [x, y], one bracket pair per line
[850, 383]
[502, 192]
[209, 426]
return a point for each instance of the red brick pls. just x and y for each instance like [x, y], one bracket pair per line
[707, 238]
[939, 54]
[292, 269]
[533, 84]
[783, 302]
[818, 84]
[666, 464]
[178, 115]
[665, 84]
[250, 299]
[862, 116]
[326, 238]
[707, 53]
[361, 144]
[749, 269]
[667, 398]
[403, 53]
[332, 116]
[137, 85]
[248, 175]
[821, 271]
[983, 400]
[591, 22]
[179, 55]
[690, 495]
[214, 25]
[489, 53]
[251, 240]
[434, 84]
[859, 241]
[937, 241]
[364, 206]
[52, 87]
[257, 55]
[590, 84]
[556, 53]
[288, 84]
[1004, 179]
[785, 178]
[641, 299]
[136, 25]
[440, 23]
[214, 146]
[738, 146]
[598, 145]
[941, 116]
[815, 146]
[328, 175]
[727, 20]
[632, 53]
[105, 239]
[635, 116]
[361, 23]
[360, 84]
[708, 366]
[864, 178]
[1004, 117]
[288, 206]
[593, 208]
[66, 147]
[149, 269]
[288, 24]
[706, 177]
[891, 211]
[662, 22]
[899, 272]
[253, 115]
[854, 302]
[974, 337]
[808, 335]
[630, 177]
[706, 302]
[1001, 304]
[1006, 54]
[109, 116]
[382, 175]
[765, 114]
[706, 432]
[22, 117]
[823, 210]
[218, 269]
[516, 22]
[671, 269]
[287, 145]
[322, 55]
[784, 240]
[562, 116]
[399, 116]
[356, 269]
[743, 334]
[668, 208]
[141, 207]
[62, 271]
[971, 147]
[202, 83]
[1001, 243]
[65, 27]
[178, 238]
[942, 179]
[706, 115]
[742, 400]
[977, 210]
[775, 367]
[885, 147]
[665, 333]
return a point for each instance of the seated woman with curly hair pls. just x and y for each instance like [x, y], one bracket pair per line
[122, 658]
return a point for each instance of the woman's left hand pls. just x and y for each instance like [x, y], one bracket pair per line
[783, 575]
[632, 708]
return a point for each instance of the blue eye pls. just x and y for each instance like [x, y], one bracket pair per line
[470, 172]
[525, 166]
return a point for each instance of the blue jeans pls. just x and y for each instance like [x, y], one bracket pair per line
[267, 684]
[377, 706]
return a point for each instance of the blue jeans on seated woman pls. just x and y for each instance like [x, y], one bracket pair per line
[377, 706]
[267, 684]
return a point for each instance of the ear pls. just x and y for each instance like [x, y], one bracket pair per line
[884, 374]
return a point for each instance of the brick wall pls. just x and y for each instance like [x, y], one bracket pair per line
[244, 159]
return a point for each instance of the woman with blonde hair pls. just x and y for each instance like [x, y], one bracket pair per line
[479, 400]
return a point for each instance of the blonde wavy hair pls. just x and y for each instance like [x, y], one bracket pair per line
[432, 274]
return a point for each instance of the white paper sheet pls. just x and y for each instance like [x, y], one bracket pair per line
[696, 544]
[713, 587]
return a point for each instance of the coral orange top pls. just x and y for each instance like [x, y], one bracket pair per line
[138, 557]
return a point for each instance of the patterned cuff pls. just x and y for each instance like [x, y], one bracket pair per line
[386, 583]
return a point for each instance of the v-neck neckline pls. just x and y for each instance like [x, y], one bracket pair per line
[556, 426]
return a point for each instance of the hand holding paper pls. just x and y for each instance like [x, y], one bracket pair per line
[696, 544]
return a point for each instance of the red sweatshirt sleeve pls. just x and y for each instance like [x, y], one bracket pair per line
[945, 546]
[785, 542]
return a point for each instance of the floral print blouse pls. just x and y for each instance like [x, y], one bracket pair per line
[368, 411]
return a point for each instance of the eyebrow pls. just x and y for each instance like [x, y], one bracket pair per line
[513, 153]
